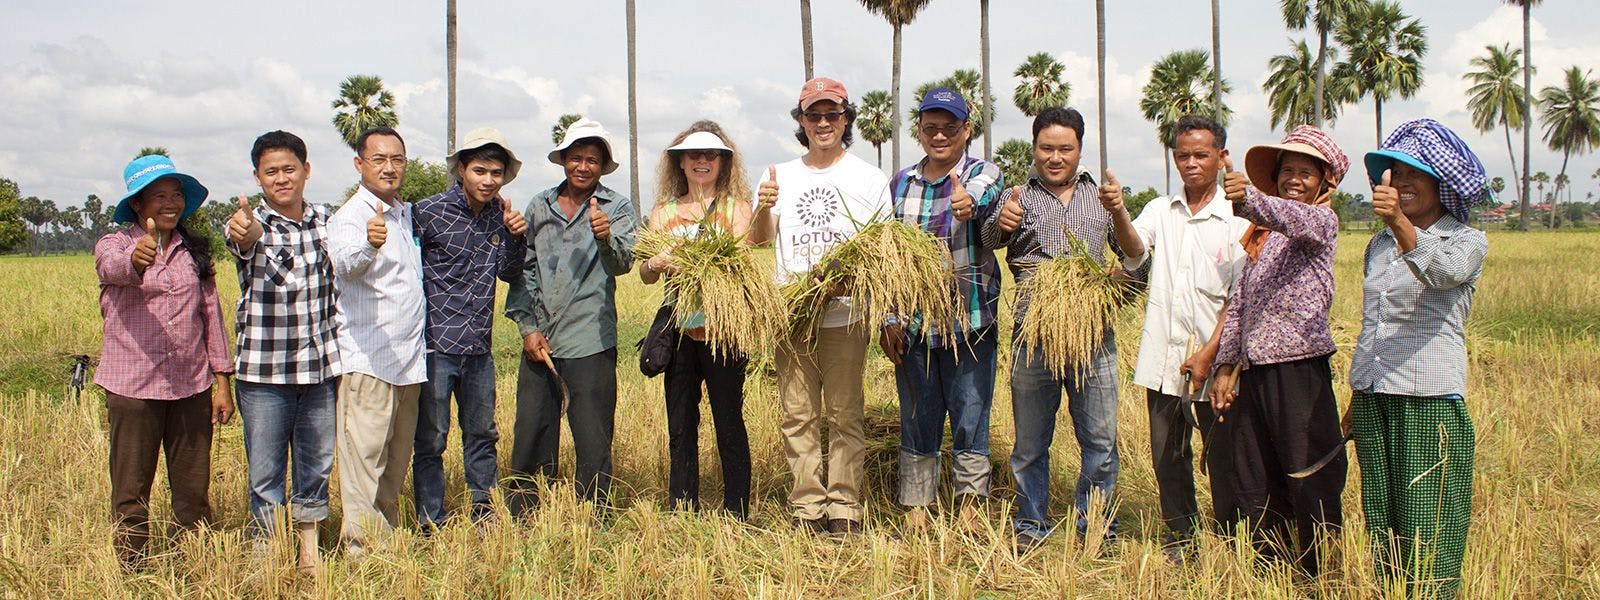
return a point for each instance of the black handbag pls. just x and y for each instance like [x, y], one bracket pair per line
[658, 344]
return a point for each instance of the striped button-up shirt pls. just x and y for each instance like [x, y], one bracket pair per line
[568, 288]
[462, 254]
[381, 305]
[1414, 311]
[163, 332]
[1279, 313]
[287, 312]
[925, 203]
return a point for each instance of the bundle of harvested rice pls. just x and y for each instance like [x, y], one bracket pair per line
[887, 267]
[717, 275]
[1071, 303]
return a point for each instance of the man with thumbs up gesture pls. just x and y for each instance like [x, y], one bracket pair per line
[579, 239]
[288, 364]
[470, 238]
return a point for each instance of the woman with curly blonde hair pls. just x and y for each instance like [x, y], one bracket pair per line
[701, 183]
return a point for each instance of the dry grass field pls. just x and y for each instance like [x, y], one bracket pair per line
[1534, 391]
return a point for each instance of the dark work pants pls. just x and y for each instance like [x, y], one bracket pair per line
[1286, 418]
[693, 363]
[140, 431]
[536, 435]
[1172, 455]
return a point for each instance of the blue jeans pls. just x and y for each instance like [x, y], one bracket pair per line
[281, 420]
[1092, 402]
[934, 382]
[470, 378]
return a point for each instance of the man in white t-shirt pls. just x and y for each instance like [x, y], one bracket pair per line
[823, 198]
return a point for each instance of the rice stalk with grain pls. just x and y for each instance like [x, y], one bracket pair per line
[717, 275]
[887, 267]
[1071, 301]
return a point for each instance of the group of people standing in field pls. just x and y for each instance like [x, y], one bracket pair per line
[355, 330]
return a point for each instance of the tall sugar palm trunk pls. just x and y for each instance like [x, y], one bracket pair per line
[1100, 74]
[983, 51]
[805, 37]
[450, 73]
[633, 108]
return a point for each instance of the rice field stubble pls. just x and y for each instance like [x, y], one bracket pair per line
[1534, 392]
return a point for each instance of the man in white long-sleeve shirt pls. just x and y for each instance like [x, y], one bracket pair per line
[378, 270]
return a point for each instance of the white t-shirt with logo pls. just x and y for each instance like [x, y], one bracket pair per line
[818, 209]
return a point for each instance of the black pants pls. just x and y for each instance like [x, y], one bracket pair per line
[1172, 455]
[1285, 418]
[692, 364]
[140, 431]
[536, 435]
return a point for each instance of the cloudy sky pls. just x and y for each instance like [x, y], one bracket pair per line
[84, 85]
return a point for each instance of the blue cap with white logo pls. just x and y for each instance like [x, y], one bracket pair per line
[946, 99]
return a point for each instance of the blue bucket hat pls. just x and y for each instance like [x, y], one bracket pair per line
[144, 171]
[1432, 148]
[946, 99]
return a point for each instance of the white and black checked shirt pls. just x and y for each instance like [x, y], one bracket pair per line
[287, 301]
[1414, 311]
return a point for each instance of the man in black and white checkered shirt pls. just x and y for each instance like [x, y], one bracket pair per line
[288, 358]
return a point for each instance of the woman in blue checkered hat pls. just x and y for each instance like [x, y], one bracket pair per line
[1408, 376]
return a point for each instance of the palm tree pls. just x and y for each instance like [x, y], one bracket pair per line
[898, 13]
[1497, 185]
[1041, 85]
[1555, 197]
[1527, 98]
[912, 115]
[1100, 75]
[969, 84]
[1495, 97]
[805, 36]
[362, 104]
[1292, 90]
[1385, 49]
[1571, 114]
[876, 120]
[1180, 84]
[559, 130]
[983, 53]
[149, 150]
[1323, 16]
[1216, 53]
[450, 74]
[633, 107]
[1540, 179]
[1015, 159]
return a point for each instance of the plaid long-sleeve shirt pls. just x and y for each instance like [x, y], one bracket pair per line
[462, 254]
[925, 203]
[288, 306]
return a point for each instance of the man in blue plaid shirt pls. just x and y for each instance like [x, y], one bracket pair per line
[950, 195]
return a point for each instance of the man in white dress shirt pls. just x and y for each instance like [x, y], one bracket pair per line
[378, 269]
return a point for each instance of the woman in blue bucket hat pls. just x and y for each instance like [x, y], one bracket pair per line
[1408, 376]
[164, 361]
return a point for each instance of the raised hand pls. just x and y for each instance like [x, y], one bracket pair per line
[1233, 183]
[516, 225]
[377, 228]
[243, 228]
[1111, 193]
[767, 195]
[960, 200]
[144, 252]
[1011, 211]
[598, 221]
[1386, 201]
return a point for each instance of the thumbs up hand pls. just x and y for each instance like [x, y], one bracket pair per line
[960, 200]
[598, 221]
[767, 195]
[243, 228]
[144, 252]
[1233, 182]
[1011, 211]
[515, 224]
[1111, 193]
[377, 228]
[1386, 200]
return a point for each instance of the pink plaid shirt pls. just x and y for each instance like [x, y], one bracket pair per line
[164, 336]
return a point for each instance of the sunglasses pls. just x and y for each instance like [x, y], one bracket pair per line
[817, 117]
[702, 154]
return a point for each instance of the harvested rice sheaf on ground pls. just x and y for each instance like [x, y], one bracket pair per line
[718, 276]
[1071, 302]
[886, 267]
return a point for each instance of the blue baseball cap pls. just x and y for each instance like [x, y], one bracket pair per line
[946, 99]
[144, 171]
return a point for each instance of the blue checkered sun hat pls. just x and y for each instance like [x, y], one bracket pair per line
[1436, 150]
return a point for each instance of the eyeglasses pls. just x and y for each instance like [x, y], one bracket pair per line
[380, 161]
[703, 154]
[817, 117]
[949, 131]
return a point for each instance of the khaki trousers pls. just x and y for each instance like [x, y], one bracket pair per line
[826, 375]
[377, 425]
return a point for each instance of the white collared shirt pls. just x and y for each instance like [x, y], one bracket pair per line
[1196, 262]
[380, 292]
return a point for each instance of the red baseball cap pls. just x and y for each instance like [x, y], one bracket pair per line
[819, 89]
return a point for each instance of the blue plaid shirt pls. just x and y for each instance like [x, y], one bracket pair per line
[462, 253]
[925, 203]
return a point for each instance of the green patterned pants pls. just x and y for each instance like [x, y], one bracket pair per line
[1416, 486]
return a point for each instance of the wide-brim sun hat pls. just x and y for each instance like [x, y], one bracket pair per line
[586, 128]
[1261, 162]
[701, 140]
[1432, 148]
[145, 170]
[478, 138]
